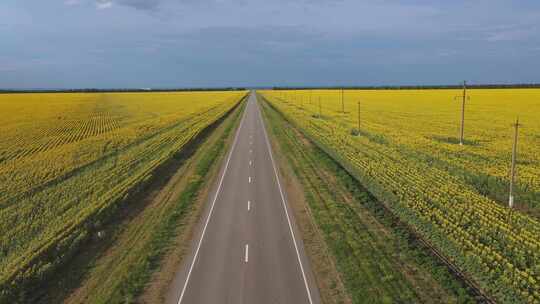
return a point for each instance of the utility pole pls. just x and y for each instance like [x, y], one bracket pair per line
[320, 108]
[464, 97]
[342, 102]
[513, 168]
[358, 115]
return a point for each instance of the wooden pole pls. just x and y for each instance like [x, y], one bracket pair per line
[342, 101]
[513, 167]
[358, 115]
[320, 108]
[463, 113]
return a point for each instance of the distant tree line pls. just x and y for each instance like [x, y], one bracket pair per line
[388, 87]
[415, 87]
[126, 90]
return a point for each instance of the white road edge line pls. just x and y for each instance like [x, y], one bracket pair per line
[247, 253]
[213, 204]
[285, 208]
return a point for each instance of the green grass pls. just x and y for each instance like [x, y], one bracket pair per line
[379, 260]
[143, 262]
[136, 247]
[139, 273]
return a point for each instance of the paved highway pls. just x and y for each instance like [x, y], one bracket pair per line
[247, 248]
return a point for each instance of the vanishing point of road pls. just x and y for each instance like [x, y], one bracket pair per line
[247, 248]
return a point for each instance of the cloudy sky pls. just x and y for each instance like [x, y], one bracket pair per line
[185, 43]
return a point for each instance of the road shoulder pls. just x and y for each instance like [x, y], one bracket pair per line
[376, 258]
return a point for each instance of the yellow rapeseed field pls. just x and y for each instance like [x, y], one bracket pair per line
[66, 159]
[405, 150]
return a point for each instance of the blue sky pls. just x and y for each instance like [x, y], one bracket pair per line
[186, 43]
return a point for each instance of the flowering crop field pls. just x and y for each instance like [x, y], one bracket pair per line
[68, 159]
[406, 151]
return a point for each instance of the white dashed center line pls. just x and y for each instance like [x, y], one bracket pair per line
[249, 205]
[246, 257]
[249, 179]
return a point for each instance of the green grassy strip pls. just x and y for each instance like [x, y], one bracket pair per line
[26, 271]
[137, 245]
[132, 284]
[379, 260]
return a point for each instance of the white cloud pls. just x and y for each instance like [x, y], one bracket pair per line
[512, 33]
[141, 4]
[72, 2]
[103, 4]
[137, 4]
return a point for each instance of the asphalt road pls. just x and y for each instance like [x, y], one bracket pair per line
[247, 248]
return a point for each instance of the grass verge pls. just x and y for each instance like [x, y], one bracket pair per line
[377, 259]
[117, 266]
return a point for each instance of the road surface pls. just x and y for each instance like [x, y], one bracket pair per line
[247, 248]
